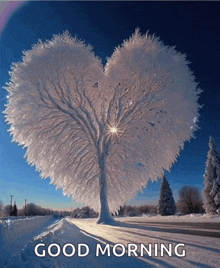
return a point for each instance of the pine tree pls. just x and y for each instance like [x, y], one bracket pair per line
[15, 210]
[166, 203]
[211, 190]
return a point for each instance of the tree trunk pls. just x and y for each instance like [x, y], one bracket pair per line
[105, 215]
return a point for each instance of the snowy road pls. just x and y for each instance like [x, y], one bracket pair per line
[201, 240]
[190, 228]
[202, 245]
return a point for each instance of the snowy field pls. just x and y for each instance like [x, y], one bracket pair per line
[197, 235]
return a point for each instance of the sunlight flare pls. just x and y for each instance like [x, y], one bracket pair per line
[113, 130]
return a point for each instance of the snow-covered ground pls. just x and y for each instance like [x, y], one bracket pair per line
[14, 229]
[15, 233]
[199, 233]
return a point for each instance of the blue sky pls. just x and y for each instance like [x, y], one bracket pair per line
[193, 27]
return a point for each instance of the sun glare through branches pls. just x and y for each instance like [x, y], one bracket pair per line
[113, 130]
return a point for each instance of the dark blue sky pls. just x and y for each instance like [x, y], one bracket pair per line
[193, 27]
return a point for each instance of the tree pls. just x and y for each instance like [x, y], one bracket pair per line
[166, 202]
[121, 211]
[15, 210]
[7, 211]
[211, 190]
[129, 209]
[144, 209]
[33, 210]
[190, 200]
[101, 133]
[84, 212]
[1, 209]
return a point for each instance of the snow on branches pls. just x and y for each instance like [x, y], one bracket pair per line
[101, 133]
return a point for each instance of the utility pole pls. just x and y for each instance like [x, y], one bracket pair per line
[11, 206]
[25, 209]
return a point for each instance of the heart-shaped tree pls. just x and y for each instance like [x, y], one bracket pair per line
[102, 133]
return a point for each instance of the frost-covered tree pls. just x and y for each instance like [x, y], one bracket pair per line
[166, 201]
[211, 190]
[101, 133]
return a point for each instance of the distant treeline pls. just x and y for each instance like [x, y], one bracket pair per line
[189, 201]
[127, 210]
[31, 210]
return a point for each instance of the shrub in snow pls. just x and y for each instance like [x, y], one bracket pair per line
[84, 212]
[83, 216]
[143, 209]
[132, 213]
[190, 200]
[166, 202]
[75, 213]
[100, 133]
[211, 190]
[154, 209]
[121, 211]
[138, 210]
[128, 209]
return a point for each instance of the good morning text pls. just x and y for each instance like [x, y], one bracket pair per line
[118, 250]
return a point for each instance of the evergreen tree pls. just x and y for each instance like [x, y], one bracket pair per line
[15, 210]
[211, 190]
[166, 203]
[11, 210]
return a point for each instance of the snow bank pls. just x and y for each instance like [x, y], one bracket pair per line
[61, 233]
[16, 217]
[11, 230]
[14, 234]
[200, 217]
